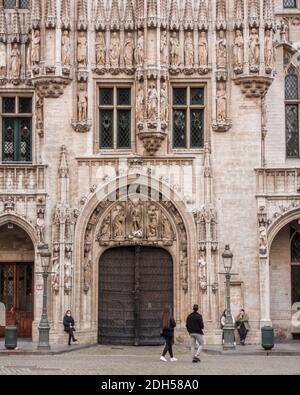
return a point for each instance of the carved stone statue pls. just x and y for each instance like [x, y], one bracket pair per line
[152, 222]
[152, 103]
[115, 50]
[140, 51]
[167, 232]
[65, 48]
[189, 49]
[263, 241]
[184, 271]
[119, 222]
[140, 104]
[222, 50]
[36, 48]
[129, 50]
[15, 62]
[269, 53]
[82, 104]
[174, 51]
[254, 47]
[82, 49]
[68, 269]
[238, 49]
[40, 227]
[56, 273]
[164, 103]
[3, 60]
[39, 114]
[203, 49]
[164, 51]
[221, 103]
[100, 49]
[105, 229]
[202, 269]
[87, 274]
[136, 215]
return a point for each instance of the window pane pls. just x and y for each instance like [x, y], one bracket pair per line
[291, 85]
[24, 4]
[25, 105]
[8, 147]
[295, 248]
[292, 131]
[124, 128]
[197, 123]
[9, 3]
[179, 133]
[289, 3]
[197, 96]
[106, 97]
[124, 98]
[25, 140]
[106, 129]
[9, 105]
[180, 98]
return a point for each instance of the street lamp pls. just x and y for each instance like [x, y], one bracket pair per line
[44, 327]
[229, 343]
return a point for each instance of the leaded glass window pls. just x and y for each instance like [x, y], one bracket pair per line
[292, 113]
[188, 117]
[115, 117]
[289, 3]
[295, 248]
[16, 129]
[11, 4]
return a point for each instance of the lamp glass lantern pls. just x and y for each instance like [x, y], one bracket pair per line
[45, 260]
[227, 259]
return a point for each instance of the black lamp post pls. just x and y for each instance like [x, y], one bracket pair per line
[44, 327]
[229, 343]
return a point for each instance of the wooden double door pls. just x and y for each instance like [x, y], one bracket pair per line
[135, 285]
[16, 293]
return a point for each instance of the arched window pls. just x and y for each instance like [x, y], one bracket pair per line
[292, 112]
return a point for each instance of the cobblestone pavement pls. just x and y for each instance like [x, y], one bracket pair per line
[103, 360]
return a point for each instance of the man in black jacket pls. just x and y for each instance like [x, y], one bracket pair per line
[195, 326]
[69, 326]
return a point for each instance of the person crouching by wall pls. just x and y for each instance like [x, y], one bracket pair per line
[168, 324]
[69, 325]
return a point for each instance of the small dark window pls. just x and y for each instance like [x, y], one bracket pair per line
[188, 117]
[115, 118]
[289, 3]
[292, 113]
[25, 105]
[9, 105]
[11, 4]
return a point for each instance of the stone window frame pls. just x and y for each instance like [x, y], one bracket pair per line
[190, 85]
[17, 95]
[109, 151]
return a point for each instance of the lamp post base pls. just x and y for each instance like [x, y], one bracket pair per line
[229, 339]
[44, 338]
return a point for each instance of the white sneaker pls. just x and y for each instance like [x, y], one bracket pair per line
[174, 359]
[163, 359]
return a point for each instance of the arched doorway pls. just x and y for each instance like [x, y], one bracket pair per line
[16, 278]
[135, 284]
[285, 281]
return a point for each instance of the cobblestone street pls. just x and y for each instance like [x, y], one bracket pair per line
[103, 360]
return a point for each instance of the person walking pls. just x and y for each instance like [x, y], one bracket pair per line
[168, 324]
[223, 322]
[195, 326]
[69, 325]
[243, 327]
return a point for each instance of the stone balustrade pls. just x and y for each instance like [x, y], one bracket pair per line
[278, 182]
[22, 178]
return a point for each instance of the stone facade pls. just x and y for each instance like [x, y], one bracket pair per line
[237, 188]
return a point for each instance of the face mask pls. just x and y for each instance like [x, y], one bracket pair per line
[69, 314]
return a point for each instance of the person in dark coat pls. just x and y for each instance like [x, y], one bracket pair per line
[195, 326]
[69, 325]
[168, 324]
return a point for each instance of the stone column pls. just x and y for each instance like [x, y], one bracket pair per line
[264, 279]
